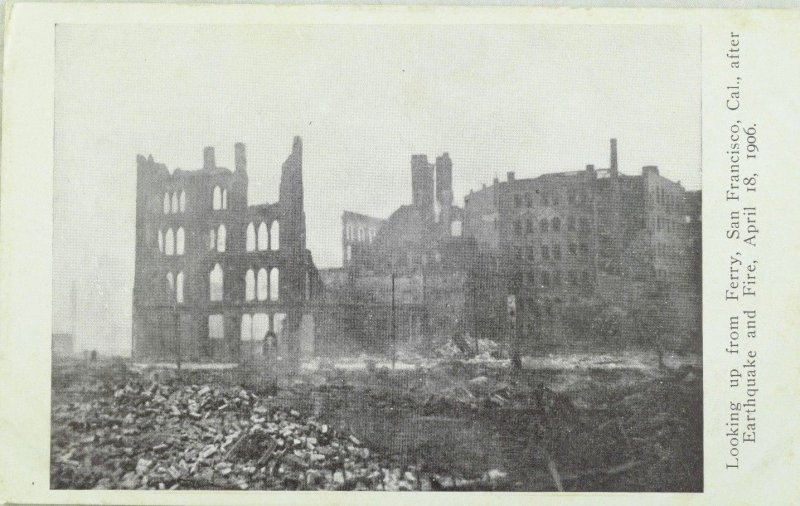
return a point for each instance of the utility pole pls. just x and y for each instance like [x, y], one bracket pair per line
[177, 333]
[394, 326]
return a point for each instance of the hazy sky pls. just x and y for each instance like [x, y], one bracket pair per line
[531, 99]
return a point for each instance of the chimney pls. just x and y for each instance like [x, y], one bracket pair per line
[613, 166]
[444, 180]
[510, 175]
[208, 158]
[240, 156]
[650, 170]
[422, 185]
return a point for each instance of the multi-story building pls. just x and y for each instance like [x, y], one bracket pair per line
[214, 274]
[562, 241]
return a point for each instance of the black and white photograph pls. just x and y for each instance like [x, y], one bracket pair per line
[377, 257]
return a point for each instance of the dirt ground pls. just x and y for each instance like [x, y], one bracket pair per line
[573, 425]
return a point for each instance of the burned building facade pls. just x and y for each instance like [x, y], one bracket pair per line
[421, 246]
[562, 243]
[215, 274]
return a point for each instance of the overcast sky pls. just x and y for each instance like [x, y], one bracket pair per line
[531, 99]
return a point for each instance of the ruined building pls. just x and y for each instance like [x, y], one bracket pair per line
[422, 246]
[214, 274]
[573, 248]
[563, 243]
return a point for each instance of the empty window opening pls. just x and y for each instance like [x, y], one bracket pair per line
[263, 284]
[250, 238]
[455, 228]
[216, 283]
[179, 241]
[249, 285]
[263, 237]
[246, 331]
[179, 287]
[216, 200]
[166, 203]
[216, 326]
[160, 241]
[169, 246]
[224, 199]
[221, 239]
[274, 236]
[182, 202]
[170, 284]
[274, 284]
[212, 239]
[260, 326]
[174, 203]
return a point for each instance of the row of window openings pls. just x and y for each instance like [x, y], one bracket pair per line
[554, 251]
[174, 202]
[170, 244]
[546, 200]
[256, 326]
[661, 197]
[362, 233]
[266, 287]
[267, 238]
[659, 223]
[553, 278]
[546, 225]
[253, 327]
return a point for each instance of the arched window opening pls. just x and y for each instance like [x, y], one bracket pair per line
[166, 203]
[174, 203]
[263, 237]
[455, 228]
[212, 239]
[179, 287]
[308, 286]
[216, 201]
[274, 236]
[216, 284]
[250, 240]
[160, 241]
[349, 252]
[360, 234]
[263, 284]
[170, 283]
[216, 326]
[179, 242]
[169, 246]
[260, 326]
[249, 285]
[224, 199]
[221, 239]
[246, 330]
[274, 284]
[182, 202]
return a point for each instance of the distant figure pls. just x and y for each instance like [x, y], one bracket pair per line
[270, 344]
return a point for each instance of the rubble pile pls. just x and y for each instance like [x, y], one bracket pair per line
[147, 435]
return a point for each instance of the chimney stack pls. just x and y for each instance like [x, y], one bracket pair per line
[510, 175]
[208, 158]
[240, 156]
[613, 166]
